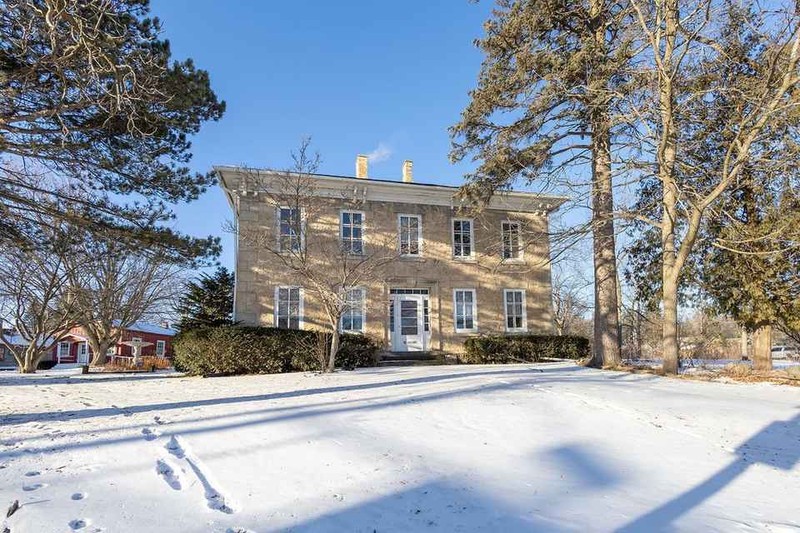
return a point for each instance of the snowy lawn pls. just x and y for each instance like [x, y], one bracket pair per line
[490, 448]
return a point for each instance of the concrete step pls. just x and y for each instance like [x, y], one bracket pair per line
[412, 362]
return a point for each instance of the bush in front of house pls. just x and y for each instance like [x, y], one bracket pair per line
[263, 350]
[498, 349]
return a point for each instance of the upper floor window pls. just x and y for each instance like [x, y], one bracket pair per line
[462, 237]
[353, 317]
[512, 248]
[352, 232]
[288, 307]
[290, 229]
[515, 312]
[465, 310]
[410, 227]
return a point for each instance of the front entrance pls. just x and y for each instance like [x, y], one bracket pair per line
[409, 320]
[83, 353]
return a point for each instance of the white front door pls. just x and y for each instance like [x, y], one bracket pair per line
[83, 352]
[409, 323]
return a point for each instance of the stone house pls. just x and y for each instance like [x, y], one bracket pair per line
[454, 272]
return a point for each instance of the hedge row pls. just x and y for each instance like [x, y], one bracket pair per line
[262, 350]
[498, 349]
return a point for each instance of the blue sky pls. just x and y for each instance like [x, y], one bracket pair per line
[358, 77]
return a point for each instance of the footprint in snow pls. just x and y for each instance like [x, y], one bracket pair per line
[32, 473]
[33, 486]
[78, 523]
[239, 530]
[149, 434]
[168, 473]
[158, 420]
[78, 496]
[175, 447]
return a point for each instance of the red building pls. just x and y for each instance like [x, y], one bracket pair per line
[156, 341]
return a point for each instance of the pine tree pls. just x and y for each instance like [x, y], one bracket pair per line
[208, 301]
[542, 108]
[92, 98]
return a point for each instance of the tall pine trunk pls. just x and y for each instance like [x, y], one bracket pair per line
[606, 304]
[606, 350]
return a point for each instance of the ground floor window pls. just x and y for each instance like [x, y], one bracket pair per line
[161, 348]
[63, 349]
[288, 307]
[465, 310]
[353, 318]
[514, 300]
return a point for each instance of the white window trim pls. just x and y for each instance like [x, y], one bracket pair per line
[474, 328]
[400, 234]
[363, 223]
[278, 228]
[59, 355]
[363, 313]
[524, 327]
[163, 350]
[471, 238]
[521, 257]
[301, 310]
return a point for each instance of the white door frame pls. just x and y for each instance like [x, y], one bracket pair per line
[83, 353]
[409, 343]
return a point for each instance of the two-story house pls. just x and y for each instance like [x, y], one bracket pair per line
[456, 273]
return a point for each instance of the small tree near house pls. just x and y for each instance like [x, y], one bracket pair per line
[36, 299]
[115, 286]
[306, 242]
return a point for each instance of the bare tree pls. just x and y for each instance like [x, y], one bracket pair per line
[569, 302]
[35, 299]
[114, 286]
[722, 74]
[308, 246]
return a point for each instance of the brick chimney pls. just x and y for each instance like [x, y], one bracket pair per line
[408, 173]
[361, 166]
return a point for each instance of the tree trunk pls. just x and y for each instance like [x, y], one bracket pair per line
[30, 359]
[606, 350]
[335, 337]
[762, 349]
[669, 327]
[743, 345]
[99, 351]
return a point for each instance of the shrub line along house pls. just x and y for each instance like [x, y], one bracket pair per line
[456, 273]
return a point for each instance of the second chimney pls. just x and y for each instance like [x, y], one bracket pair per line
[408, 171]
[361, 166]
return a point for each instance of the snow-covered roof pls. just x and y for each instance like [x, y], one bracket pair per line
[144, 327]
[16, 340]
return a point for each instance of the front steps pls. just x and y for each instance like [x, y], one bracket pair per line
[411, 359]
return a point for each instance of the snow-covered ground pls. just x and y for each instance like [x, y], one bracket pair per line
[490, 448]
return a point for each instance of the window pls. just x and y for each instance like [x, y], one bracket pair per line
[112, 350]
[352, 232]
[353, 318]
[290, 231]
[288, 307]
[462, 237]
[465, 310]
[516, 319]
[63, 350]
[511, 240]
[410, 234]
[161, 347]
